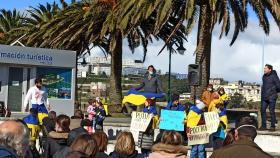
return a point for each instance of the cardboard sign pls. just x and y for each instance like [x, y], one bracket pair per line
[172, 120]
[200, 134]
[212, 121]
[140, 121]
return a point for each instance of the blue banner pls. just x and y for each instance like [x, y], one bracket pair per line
[172, 120]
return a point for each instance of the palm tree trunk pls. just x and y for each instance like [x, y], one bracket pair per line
[115, 91]
[203, 50]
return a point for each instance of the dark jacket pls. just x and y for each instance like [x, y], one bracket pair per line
[179, 107]
[100, 116]
[7, 152]
[55, 144]
[118, 155]
[271, 85]
[153, 85]
[241, 148]
[63, 153]
[101, 155]
[49, 124]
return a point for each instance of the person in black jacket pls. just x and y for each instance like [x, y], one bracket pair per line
[270, 88]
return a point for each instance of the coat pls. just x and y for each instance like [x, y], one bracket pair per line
[7, 152]
[207, 97]
[63, 153]
[54, 143]
[241, 148]
[153, 85]
[118, 155]
[101, 155]
[168, 151]
[270, 87]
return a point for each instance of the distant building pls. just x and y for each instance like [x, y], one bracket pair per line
[250, 91]
[181, 76]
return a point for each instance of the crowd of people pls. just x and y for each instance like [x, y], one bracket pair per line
[82, 136]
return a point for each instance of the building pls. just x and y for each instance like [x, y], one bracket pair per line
[181, 76]
[248, 90]
[102, 65]
[20, 66]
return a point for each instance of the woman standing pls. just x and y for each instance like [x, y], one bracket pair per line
[151, 82]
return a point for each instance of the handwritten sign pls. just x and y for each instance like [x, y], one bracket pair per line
[172, 120]
[140, 121]
[212, 121]
[200, 134]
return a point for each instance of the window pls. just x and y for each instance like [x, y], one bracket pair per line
[58, 81]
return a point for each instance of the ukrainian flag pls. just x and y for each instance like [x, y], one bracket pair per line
[33, 125]
[42, 112]
[194, 116]
[138, 98]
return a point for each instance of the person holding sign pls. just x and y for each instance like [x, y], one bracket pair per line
[151, 109]
[195, 118]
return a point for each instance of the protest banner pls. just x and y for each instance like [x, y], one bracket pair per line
[200, 134]
[212, 121]
[140, 121]
[172, 120]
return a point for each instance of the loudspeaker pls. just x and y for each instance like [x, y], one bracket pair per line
[194, 74]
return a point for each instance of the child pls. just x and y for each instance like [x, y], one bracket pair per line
[195, 118]
[92, 111]
[145, 139]
[33, 124]
[99, 116]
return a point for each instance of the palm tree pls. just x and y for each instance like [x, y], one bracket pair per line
[208, 14]
[82, 24]
[8, 21]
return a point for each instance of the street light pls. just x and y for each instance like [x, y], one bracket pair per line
[84, 63]
[181, 50]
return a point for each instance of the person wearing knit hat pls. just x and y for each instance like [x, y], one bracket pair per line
[195, 118]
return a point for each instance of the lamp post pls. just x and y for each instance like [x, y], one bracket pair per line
[181, 50]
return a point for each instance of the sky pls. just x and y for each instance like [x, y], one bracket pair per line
[242, 61]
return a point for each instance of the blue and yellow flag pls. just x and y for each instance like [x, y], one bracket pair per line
[33, 125]
[138, 98]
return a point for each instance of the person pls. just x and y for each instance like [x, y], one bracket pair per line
[102, 141]
[195, 118]
[32, 123]
[76, 154]
[14, 139]
[4, 112]
[171, 145]
[207, 95]
[223, 96]
[215, 103]
[92, 111]
[39, 97]
[174, 104]
[57, 139]
[76, 119]
[269, 90]
[229, 137]
[244, 145]
[151, 82]
[49, 122]
[150, 108]
[99, 116]
[125, 147]
[84, 144]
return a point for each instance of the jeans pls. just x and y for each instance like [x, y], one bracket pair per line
[145, 152]
[264, 104]
[198, 151]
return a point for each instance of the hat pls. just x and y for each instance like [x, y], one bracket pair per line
[200, 105]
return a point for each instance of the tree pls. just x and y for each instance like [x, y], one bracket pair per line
[208, 14]
[81, 24]
[8, 21]
[236, 101]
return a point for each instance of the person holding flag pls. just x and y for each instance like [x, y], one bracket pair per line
[38, 96]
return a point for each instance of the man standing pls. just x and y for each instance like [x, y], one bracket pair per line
[270, 88]
[244, 145]
[38, 97]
